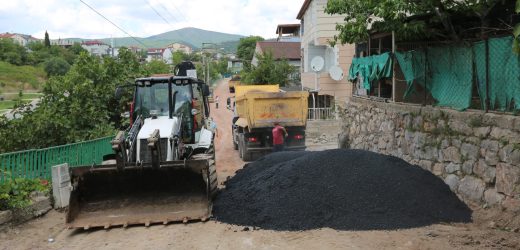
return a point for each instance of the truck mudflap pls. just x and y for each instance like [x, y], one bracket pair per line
[104, 196]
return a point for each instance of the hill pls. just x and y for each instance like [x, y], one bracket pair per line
[13, 78]
[190, 36]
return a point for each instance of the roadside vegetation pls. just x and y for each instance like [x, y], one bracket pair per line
[268, 70]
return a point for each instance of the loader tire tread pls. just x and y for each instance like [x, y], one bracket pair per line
[213, 183]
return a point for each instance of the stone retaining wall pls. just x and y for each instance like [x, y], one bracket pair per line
[476, 154]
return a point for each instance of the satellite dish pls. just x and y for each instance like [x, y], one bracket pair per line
[336, 73]
[317, 63]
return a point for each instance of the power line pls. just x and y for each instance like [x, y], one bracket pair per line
[90, 7]
[156, 12]
[181, 37]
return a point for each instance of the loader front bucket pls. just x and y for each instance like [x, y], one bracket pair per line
[106, 197]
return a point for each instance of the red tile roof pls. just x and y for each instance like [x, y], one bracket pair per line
[282, 50]
[6, 35]
[93, 42]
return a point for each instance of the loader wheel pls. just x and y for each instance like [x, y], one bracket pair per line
[212, 185]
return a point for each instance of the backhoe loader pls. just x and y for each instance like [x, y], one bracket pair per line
[163, 166]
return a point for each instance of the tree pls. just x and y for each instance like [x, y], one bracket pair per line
[77, 106]
[157, 67]
[12, 52]
[246, 48]
[413, 20]
[56, 66]
[47, 41]
[268, 71]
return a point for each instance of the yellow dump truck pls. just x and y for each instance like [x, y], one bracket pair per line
[235, 81]
[257, 108]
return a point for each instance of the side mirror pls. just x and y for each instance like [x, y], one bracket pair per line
[205, 90]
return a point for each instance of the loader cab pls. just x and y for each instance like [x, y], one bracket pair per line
[180, 97]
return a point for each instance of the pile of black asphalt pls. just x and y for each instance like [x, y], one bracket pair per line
[339, 189]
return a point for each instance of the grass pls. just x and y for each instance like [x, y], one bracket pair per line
[9, 104]
[14, 95]
[13, 78]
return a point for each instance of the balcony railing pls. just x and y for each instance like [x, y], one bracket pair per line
[321, 114]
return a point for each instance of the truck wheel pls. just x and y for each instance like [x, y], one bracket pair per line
[240, 147]
[235, 145]
[246, 155]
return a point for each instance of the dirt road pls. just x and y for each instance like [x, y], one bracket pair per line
[216, 235]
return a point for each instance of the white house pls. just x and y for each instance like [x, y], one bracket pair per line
[19, 38]
[317, 29]
[97, 48]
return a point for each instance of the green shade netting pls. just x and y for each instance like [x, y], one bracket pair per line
[371, 68]
[504, 73]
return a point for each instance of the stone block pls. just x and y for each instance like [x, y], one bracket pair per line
[500, 133]
[426, 165]
[492, 197]
[451, 154]
[507, 179]
[5, 217]
[472, 188]
[472, 140]
[469, 151]
[429, 127]
[438, 169]
[460, 127]
[467, 167]
[505, 153]
[482, 132]
[484, 171]
[452, 168]
[490, 145]
[452, 181]
[514, 157]
[491, 158]
[456, 142]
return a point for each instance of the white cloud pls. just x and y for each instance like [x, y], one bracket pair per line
[71, 18]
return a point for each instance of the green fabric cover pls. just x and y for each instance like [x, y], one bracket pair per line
[371, 68]
[412, 65]
[450, 77]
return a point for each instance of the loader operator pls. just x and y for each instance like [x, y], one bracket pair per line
[279, 134]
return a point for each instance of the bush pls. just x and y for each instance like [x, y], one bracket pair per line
[56, 66]
[16, 193]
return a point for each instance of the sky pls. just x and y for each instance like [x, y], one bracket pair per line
[72, 18]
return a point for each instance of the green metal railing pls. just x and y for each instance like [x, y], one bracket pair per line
[37, 163]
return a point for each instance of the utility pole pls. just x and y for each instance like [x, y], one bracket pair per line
[207, 61]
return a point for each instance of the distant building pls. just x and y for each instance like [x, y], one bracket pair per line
[19, 38]
[63, 43]
[97, 48]
[180, 47]
[235, 65]
[163, 54]
[289, 51]
[288, 32]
